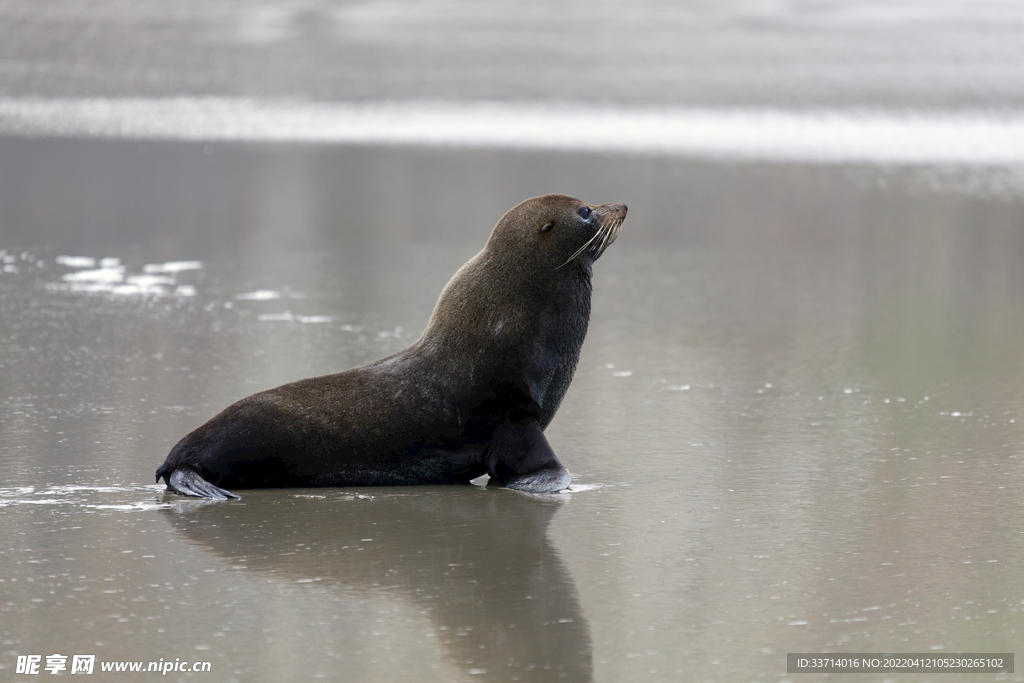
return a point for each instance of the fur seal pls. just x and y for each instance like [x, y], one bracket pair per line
[472, 396]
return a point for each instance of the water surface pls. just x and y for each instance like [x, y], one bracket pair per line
[796, 423]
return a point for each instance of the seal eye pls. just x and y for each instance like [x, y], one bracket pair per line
[547, 226]
[584, 212]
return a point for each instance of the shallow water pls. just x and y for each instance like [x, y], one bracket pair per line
[796, 425]
[796, 422]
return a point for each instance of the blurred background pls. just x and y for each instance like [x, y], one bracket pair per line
[799, 53]
[796, 425]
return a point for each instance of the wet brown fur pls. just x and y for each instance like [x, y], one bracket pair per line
[470, 397]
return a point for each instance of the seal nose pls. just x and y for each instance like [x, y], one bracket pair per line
[617, 209]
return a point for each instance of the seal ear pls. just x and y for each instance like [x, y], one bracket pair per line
[547, 226]
[519, 457]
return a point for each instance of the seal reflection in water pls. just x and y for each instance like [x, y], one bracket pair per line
[472, 396]
[482, 571]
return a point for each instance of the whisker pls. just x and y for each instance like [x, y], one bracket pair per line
[580, 250]
[596, 249]
[607, 237]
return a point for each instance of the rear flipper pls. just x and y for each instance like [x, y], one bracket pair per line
[189, 483]
[519, 457]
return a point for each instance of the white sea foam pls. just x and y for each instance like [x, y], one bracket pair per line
[97, 276]
[149, 280]
[83, 496]
[289, 317]
[259, 295]
[580, 488]
[132, 507]
[172, 266]
[111, 278]
[138, 289]
[67, 489]
[76, 261]
[829, 136]
[286, 317]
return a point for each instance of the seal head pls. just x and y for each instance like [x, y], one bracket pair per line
[472, 396]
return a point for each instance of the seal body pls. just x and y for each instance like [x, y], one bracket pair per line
[472, 396]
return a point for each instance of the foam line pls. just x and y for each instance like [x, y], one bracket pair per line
[829, 136]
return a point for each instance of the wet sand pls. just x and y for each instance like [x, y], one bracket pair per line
[796, 424]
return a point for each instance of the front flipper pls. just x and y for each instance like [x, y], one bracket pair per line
[188, 483]
[519, 457]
